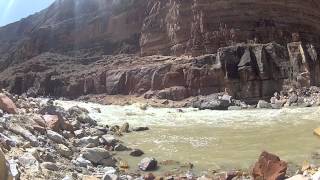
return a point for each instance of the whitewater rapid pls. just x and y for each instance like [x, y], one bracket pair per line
[213, 139]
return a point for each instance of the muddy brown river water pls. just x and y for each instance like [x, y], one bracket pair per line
[215, 139]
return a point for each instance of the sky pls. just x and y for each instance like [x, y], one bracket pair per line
[13, 10]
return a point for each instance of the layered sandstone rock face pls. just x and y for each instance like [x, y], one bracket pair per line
[202, 26]
[248, 72]
[179, 48]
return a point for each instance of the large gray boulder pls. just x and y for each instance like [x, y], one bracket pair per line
[98, 156]
[213, 102]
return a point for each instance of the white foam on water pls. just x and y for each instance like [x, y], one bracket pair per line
[113, 114]
[208, 138]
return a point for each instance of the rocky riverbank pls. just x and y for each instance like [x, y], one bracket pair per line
[41, 140]
[288, 97]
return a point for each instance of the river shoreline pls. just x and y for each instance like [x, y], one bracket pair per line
[40, 136]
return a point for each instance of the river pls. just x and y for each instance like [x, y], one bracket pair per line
[214, 139]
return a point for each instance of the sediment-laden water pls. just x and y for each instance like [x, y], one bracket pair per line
[215, 139]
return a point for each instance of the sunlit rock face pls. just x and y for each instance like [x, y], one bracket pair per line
[251, 48]
[202, 26]
[73, 27]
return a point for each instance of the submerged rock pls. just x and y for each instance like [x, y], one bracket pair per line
[140, 129]
[269, 166]
[124, 128]
[120, 147]
[148, 164]
[136, 153]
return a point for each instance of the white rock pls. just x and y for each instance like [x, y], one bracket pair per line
[28, 161]
[109, 170]
[298, 177]
[110, 177]
[316, 176]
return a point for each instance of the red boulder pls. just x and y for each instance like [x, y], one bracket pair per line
[7, 105]
[52, 122]
[269, 167]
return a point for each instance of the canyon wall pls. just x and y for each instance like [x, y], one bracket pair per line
[178, 48]
[202, 26]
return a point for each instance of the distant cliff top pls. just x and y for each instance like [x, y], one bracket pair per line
[192, 27]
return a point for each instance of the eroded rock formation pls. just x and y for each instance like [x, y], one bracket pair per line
[245, 71]
[189, 48]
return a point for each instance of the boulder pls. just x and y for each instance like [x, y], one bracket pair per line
[95, 155]
[298, 177]
[120, 147]
[79, 133]
[293, 98]
[124, 128]
[56, 137]
[148, 164]
[64, 151]
[17, 129]
[50, 166]
[269, 167]
[140, 129]
[82, 162]
[52, 122]
[85, 118]
[28, 161]
[262, 104]
[14, 169]
[109, 170]
[94, 141]
[317, 131]
[176, 93]
[51, 109]
[136, 153]
[110, 177]
[212, 102]
[149, 176]
[234, 108]
[7, 105]
[76, 110]
[109, 140]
